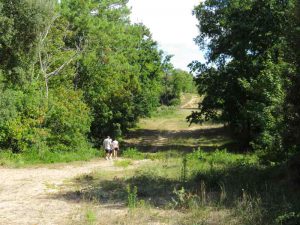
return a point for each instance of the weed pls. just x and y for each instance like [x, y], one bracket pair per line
[123, 163]
[290, 218]
[223, 194]
[184, 199]
[32, 157]
[203, 193]
[164, 111]
[183, 177]
[250, 209]
[131, 197]
[90, 217]
[132, 153]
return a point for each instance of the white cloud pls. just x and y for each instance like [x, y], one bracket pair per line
[173, 26]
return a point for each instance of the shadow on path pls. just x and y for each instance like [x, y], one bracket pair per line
[113, 193]
[208, 139]
[264, 189]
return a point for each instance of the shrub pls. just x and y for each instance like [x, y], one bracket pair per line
[132, 153]
[68, 120]
[30, 122]
[21, 120]
[132, 197]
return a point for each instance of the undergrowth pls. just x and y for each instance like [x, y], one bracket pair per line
[230, 188]
[7, 158]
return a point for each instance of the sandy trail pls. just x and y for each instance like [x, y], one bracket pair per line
[25, 194]
[192, 103]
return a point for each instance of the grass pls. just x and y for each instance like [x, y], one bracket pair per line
[90, 217]
[220, 188]
[123, 163]
[10, 159]
[191, 176]
[168, 130]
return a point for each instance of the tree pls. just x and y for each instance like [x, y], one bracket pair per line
[176, 82]
[73, 68]
[292, 116]
[120, 68]
[28, 122]
[21, 23]
[245, 77]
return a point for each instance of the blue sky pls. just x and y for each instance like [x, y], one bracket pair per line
[172, 25]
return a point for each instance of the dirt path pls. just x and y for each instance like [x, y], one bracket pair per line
[25, 194]
[192, 103]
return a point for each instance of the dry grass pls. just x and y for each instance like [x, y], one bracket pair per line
[169, 130]
[144, 215]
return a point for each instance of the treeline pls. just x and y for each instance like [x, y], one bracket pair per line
[251, 80]
[73, 71]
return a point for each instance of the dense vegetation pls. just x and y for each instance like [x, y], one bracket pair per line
[251, 79]
[74, 71]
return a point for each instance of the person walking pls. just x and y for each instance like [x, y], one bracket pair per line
[107, 144]
[115, 148]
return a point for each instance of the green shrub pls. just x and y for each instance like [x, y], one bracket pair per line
[35, 126]
[164, 111]
[132, 197]
[7, 158]
[68, 121]
[175, 101]
[291, 218]
[21, 120]
[185, 200]
[132, 153]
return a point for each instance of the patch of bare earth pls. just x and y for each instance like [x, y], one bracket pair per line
[25, 194]
[31, 195]
[191, 102]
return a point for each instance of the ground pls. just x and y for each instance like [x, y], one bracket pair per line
[26, 194]
[96, 192]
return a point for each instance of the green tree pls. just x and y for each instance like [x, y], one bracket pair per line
[21, 23]
[246, 72]
[120, 68]
[292, 107]
[72, 68]
[33, 40]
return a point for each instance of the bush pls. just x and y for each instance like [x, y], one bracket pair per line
[30, 122]
[68, 120]
[21, 119]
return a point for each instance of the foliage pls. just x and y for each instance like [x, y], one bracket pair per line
[290, 218]
[68, 121]
[184, 200]
[73, 69]
[247, 77]
[237, 190]
[90, 217]
[132, 197]
[292, 107]
[132, 153]
[120, 68]
[183, 172]
[22, 115]
[21, 23]
[29, 123]
[7, 158]
[175, 83]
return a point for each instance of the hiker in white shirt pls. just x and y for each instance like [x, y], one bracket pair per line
[115, 148]
[107, 147]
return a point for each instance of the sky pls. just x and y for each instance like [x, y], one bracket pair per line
[172, 25]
